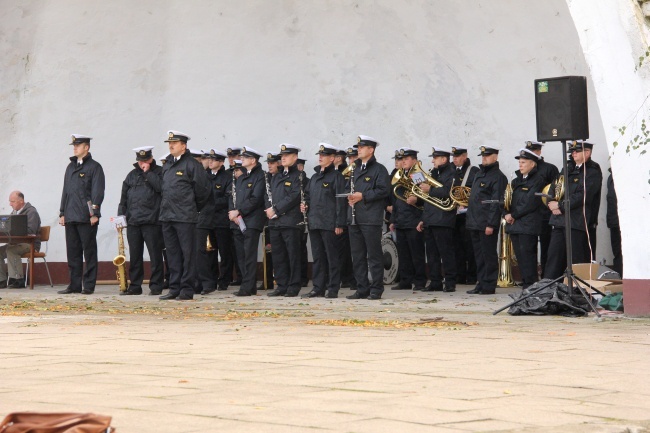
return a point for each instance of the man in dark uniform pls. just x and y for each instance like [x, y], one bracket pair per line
[163, 161]
[247, 217]
[343, 241]
[221, 180]
[592, 223]
[463, 249]
[404, 219]
[233, 154]
[368, 187]
[185, 192]
[273, 166]
[483, 220]
[81, 201]
[549, 174]
[304, 235]
[140, 204]
[438, 224]
[391, 199]
[614, 225]
[283, 212]
[327, 215]
[206, 224]
[577, 190]
[523, 218]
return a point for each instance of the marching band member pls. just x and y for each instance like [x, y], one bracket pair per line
[524, 219]
[283, 212]
[368, 187]
[343, 240]
[81, 200]
[185, 191]
[577, 189]
[140, 204]
[463, 249]
[438, 225]
[549, 174]
[206, 223]
[233, 154]
[483, 221]
[404, 219]
[304, 258]
[326, 216]
[221, 180]
[272, 166]
[246, 213]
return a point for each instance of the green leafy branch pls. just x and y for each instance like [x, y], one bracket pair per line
[640, 140]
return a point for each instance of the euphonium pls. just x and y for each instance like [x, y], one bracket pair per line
[557, 193]
[505, 246]
[120, 260]
[404, 187]
[208, 245]
[460, 195]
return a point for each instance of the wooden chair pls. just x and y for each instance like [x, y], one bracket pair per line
[45, 237]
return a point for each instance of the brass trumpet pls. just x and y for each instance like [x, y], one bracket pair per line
[404, 187]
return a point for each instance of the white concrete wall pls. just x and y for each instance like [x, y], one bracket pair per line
[262, 72]
[613, 36]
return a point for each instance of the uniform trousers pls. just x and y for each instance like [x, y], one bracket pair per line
[206, 264]
[268, 255]
[464, 252]
[304, 258]
[326, 270]
[285, 243]
[164, 254]
[13, 255]
[525, 247]
[181, 254]
[138, 236]
[615, 238]
[487, 260]
[544, 242]
[556, 263]
[439, 242]
[410, 251]
[246, 245]
[81, 243]
[347, 271]
[367, 256]
[236, 270]
[593, 229]
[223, 237]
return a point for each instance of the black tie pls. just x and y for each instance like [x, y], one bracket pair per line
[363, 166]
[286, 172]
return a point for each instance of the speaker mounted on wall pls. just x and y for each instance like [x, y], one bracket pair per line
[561, 108]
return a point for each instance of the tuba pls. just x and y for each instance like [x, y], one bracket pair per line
[506, 251]
[120, 260]
[404, 187]
[557, 193]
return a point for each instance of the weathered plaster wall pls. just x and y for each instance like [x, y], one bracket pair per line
[262, 72]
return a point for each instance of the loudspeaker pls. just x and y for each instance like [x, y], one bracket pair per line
[561, 108]
[13, 225]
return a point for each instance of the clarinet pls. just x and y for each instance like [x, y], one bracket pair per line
[353, 166]
[302, 201]
[233, 191]
[268, 189]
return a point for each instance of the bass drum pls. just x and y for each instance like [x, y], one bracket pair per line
[391, 261]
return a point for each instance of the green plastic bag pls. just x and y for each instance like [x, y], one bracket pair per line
[612, 302]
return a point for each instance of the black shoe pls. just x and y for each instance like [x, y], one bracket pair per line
[222, 288]
[3, 284]
[474, 291]
[87, 291]
[449, 289]
[356, 295]
[487, 292]
[155, 292]
[242, 293]
[18, 283]
[373, 297]
[184, 298]
[291, 294]
[332, 295]
[432, 289]
[276, 292]
[313, 294]
[398, 287]
[236, 283]
[132, 291]
[68, 291]
[168, 296]
[208, 291]
[418, 288]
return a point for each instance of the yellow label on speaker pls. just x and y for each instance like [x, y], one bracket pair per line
[542, 87]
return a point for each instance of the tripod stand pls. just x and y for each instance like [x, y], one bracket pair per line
[571, 278]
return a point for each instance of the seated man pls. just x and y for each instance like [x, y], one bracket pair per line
[13, 252]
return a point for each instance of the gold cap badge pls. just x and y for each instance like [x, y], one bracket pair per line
[143, 153]
[283, 147]
[322, 148]
[482, 148]
[171, 135]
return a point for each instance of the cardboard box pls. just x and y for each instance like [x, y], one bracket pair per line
[589, 273]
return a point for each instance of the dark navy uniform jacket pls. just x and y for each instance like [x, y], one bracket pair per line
[373, 183]
[250, 190]
[81, 184]
[525, 206]
[434, 216]
[325, 210]
[185, 189]
[140, 199]
[489, 184]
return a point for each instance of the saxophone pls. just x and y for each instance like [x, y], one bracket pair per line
[120, 260]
